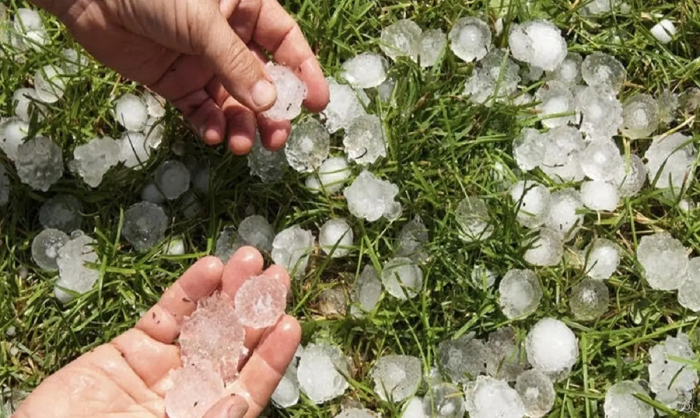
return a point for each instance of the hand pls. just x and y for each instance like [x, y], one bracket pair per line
[126, 377]
[209, 67]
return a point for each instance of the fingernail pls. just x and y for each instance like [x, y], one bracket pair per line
[264, 94]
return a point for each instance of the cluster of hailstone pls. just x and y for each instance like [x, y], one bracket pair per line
[406, 39]
[140, 116]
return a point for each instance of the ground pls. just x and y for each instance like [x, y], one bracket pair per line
[441, 149]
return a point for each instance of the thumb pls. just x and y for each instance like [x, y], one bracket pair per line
[229, 407]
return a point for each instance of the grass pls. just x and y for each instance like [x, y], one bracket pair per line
[441, 149]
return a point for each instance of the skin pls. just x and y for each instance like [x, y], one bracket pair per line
[127, 376]
[204, 56]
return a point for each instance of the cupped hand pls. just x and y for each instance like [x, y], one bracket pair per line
[204, 56]
[127, 377]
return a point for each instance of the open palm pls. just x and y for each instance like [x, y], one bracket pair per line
[128, 376]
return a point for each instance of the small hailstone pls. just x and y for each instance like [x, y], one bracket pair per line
[12, 134]
[331, 175]
[463, 358]
[133, 150]
[29, 30]
[520, 293]
[689, 292]
[562, 155]
[336, 238]
[73, 61]
[227, 243]
[365, 71]
[600, 69]
[505, 359]
[74, 275]
[401, 39]
[260, 302]
[308, 146]
[529, 149]
[61, 212]
[412, 239]
[366, 291]
[539, 43]
[396, 377]
[602, 161]
[671, 378]
[172, 178]
[386, 90]
[495, 77]
[154, 131]
[473, 219]
[563, 217]
[370, 198]
[640, 115]
[668, 106]
[144, 225]
[413, 408]
[600, 110]
[470, 39]
[532, 203]
[45, 248]
[600, 6]
[602, 259]
[670, 161]
[664, 261]
[664, 31]
[287, 392]
[631, 180]
[291, 249]
[365, 140]
[689, 100]
[27, 104]
[291, 92]
[498, 26]
[552, 348]
[195, 389]
[50, 84]
[483, 276]
[492, 398]
[402, 278]
[444, 401]
[256, 231]
[555, 99]
[332, 301]
[154, 104]
[545, 249]
[94, 159]
[267, 165]
[131, 112]
[431, 45]
[176, 246]
[39, 163]
[321, 372]
[599, 195]
[343, 108]
[589, 300]
[537, 393]
[150, 193]
[621, 402]
[569, 72]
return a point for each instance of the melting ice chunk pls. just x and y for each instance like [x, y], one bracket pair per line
[432, 43]
[144, 225]
[603, 257]
[365, 71]
[39, 163]
[336, 237]
[402, 278]
[670, 377]
[537, 393]
[366, 291]
[663, 259]
[600, 69]
[94, 159]
[321, 372]
[172, 179]
[640, 116]
[552, 348]
[470, 39]
[343, 108]
[45, 248]
[365, 140]
[520, 293]
[291, 249]
[473, 219]
[308, 146]
[401, 39]
[444, 401]
[396, 377]
[260, 302]
[74, 275]
[589, 300]
[538, 43]
[463, 358]
[599, 195]
[257, 232]
[545, 249]
[291, 92]
[370, 198]
[488, 397]
[287, 392]
[621, 402]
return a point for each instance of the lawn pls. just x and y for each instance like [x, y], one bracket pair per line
[442, 148]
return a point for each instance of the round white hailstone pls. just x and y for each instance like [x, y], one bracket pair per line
[371, 198]
[670, 161]
[555, 99]
[686, 205]
[287, 392]
[532, 203]
[602, 161]
[49, 84]
[172, 179]
[562, 155]
[260, 302]
[546, 249]
[600, 112]
[131, 112]
[401, 39]
[39, 163]
[473, 219]
[365, 140]
[413, 408]
[176, 246]
[336, 232]
[482, 276]
[621, 402]
[664, 31]
[552, 348]
[27, 103]
[396, 377]
[599, 195]
[29, 30]
[563, 213]
[196, 388]
[470, 39]
[602, 259]
[365, 71]
[689, 292]
[321, 372]
[640, 116]
[144, 225]
[529, 149]
[603, 69]
[488, 397]
[520, 293]
[331, 176]
[45, 248]
[432, 43]
[589, 300]
[664, 261]
[539, 43]
[308, 146]
[291, 249]
[668, 105]
[444, 400]
[344, 107]
[134, 152]
[291, 92]
[537, 393]
[631, 180]
[402, 278]
[569, 72]
[12, 134]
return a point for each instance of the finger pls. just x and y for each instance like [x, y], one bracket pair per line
[204, 115]
[243, 18]
[162, 321]
[151, 360]
[240, 126]
[229, 407]
[263, 372]
[189, 73]
[217, 91]
[245, 263]
[274, 133]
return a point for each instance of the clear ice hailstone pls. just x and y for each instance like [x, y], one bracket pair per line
[668, 106]
[172, 178]
[413, 408]
[227, 243]
[520, 293]
[260, 302]
[144, 225]
[505, 359]
[386, 89]
[640, 116]
[176, 246]
[670, 161]
[4, 186]
[213, 333]
[291, 249]
[366, 291]
[45, 248]
[256, 231]
[365, 140]
[664, 261]
[49, 83]
[336, 238]
[545, 249]
[94, 159]
[412, 239]
[664, 31]
[291, 92]
[196, 388]
[355, 413]
[671, 378]
[562, 155]
[444, 400]
[131, 112]
[569, 72]
[463, 358]
[689, 292]
[401, 39]
[529, 149]
[370, 198]
[532, 203]
[73, 61]
[287, 392]
[492, 398]
[621, 402]
[74, 275]
[343, 108]
[552, 348]
[599, 195]
[600, 112]
[61, 212]
[267, 165]
[602, 259]
[564, 217]
[473, 219]
[133, 150]
[331, 176]
[308, 146]
[154, 104]
[631, 179]
[150, 193]
[321, 372]
[538, 43]
[536, 390]
[589, 300]
[600, 69]
[26, 103]
[396, 377]
[432, 43]
[492, 78]
[470, 39]
[12, 134]
[39, 163]
[365, 71]
[333, 301]
[29, 30]
[555, 99]
[402, 278]
[481, 276]
[602, 161]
